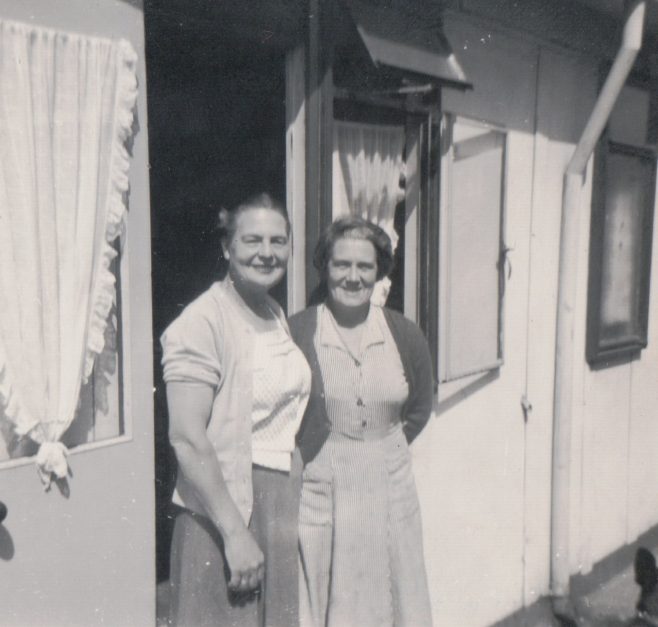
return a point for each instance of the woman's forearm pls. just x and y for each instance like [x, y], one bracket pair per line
[198, 463]
[189, 411]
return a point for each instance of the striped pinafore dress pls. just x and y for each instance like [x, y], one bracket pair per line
[360, 528]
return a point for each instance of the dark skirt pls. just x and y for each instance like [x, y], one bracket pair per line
[199, 574]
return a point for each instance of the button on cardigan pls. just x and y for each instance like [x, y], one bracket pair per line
[416, 362]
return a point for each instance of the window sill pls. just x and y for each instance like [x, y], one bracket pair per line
[81, 448]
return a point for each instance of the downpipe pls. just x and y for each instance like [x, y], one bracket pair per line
[566, 304]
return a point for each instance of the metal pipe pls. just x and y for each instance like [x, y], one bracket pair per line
[566, 300]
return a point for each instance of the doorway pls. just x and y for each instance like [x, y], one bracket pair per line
[216, 104]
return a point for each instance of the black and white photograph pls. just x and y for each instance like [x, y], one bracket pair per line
[328, 313]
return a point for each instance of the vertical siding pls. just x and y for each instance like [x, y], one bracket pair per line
[469, 463]
[618, 460]
[643, 444]
[604, 462]
[550, 159]
[566, 91]
[477, 443]
[615, 436]
[484, 478]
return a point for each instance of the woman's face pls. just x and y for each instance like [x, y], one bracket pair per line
[352, 272]
[258, 251]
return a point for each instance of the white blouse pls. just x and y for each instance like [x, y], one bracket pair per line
[281, 387]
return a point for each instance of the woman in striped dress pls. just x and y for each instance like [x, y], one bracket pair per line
[359, 520]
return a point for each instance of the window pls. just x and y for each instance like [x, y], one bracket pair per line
[471, 248]
[60, 265]
[99, 415]
[369, 179]
[623, 199]
[383, 69]
[100, 411]
[384, 169]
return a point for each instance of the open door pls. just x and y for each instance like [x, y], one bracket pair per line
[217, 132]
[85, 556]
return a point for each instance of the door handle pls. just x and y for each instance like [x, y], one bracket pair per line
[3, 512]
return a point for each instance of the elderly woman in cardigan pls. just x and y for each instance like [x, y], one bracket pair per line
[372, 390]
[237, 387]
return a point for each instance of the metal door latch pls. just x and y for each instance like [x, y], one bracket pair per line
[526, 406]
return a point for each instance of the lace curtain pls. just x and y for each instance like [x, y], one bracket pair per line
[368, 167]
[66, 112]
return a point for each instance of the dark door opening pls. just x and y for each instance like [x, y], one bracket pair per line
[216, 106]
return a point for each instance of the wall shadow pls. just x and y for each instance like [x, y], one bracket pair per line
[473, 387]
[7, 549]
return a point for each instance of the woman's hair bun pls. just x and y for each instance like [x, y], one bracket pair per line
[226, 219]
[223, 220]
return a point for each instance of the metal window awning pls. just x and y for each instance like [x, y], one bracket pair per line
[405, 40]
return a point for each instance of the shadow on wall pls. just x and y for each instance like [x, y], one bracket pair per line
[474, 386]
[6, 545]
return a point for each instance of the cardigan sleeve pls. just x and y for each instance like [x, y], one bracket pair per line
[417, 360]
[315, 426]
[190, 346]
[419, 407]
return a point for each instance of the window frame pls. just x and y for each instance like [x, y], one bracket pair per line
[420, 97]
[426, 214]
[599, 351]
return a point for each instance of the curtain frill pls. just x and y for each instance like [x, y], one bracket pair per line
[66, 113]
[104, 293]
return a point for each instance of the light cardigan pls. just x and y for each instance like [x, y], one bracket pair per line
[212, 343]
[416, 361]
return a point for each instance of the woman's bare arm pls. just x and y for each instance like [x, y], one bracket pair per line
[189, 410]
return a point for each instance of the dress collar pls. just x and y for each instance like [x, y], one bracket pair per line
[328, 329]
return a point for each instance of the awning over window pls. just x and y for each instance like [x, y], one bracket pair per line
[406, 41]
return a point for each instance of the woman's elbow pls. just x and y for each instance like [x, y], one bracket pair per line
[185, 446]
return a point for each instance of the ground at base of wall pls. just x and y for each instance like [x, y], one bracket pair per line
[612, 604]
[612, 601]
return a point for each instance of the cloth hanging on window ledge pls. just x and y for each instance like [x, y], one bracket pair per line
[66, 112]
[368, 168]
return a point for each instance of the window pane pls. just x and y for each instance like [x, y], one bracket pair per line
[98, 415]
[471, 307]
[367, 172]
[628, 187]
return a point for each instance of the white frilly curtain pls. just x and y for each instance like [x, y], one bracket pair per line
[368, 166]
[66, 112]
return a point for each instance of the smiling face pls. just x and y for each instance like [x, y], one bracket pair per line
[351, 272]
[259, 249]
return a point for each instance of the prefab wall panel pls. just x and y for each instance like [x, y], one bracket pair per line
[483, 474]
